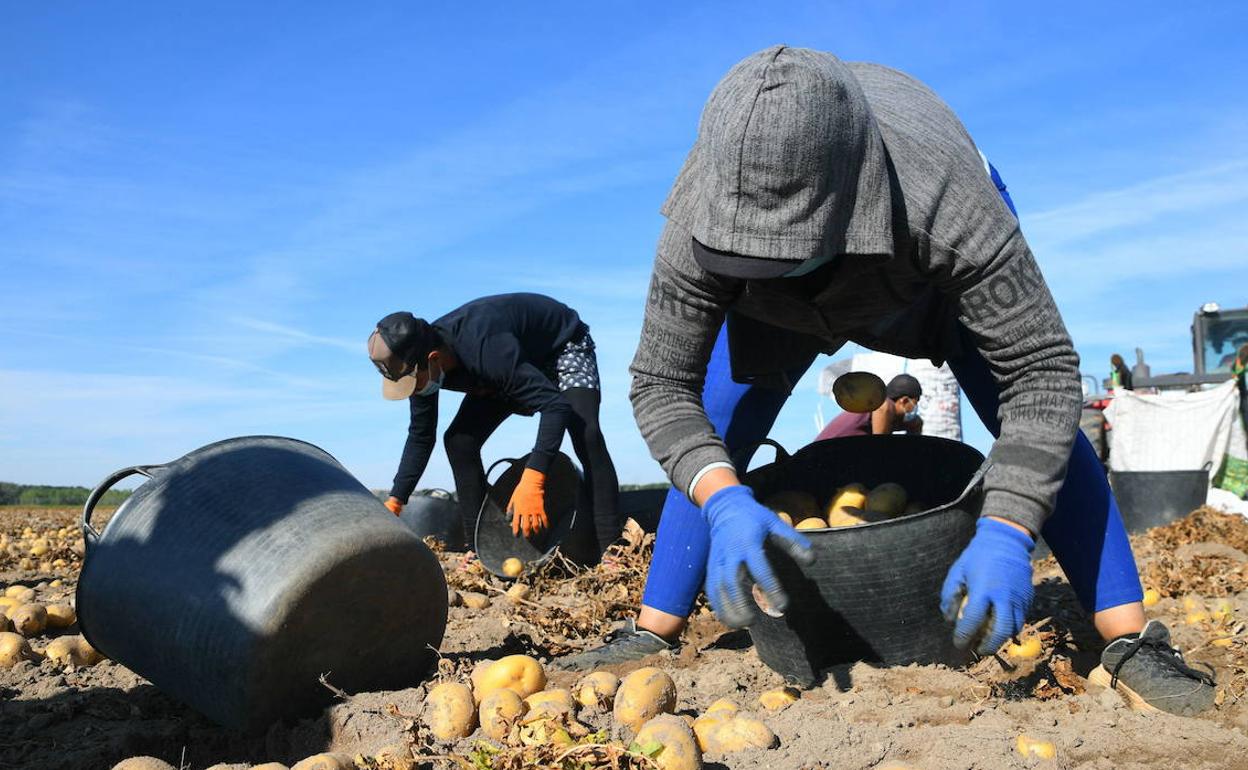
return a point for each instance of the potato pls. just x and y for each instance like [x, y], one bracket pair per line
[799, 505]
[887, 498]
[643, 695]
[143, 763]
[512, 567]
[778, 699]
[786, 518]
[724, 705]
[550, 704]
[738, 733]
[1026, 649]
[325, 762]
[475, 601]
[813, 522]
[500, 711]
[668, 741]
[270, 766]
[914, 506]
[61, 616]
[858, 392]
[450, 712]
[21, 594]
[14, 649]
[73, 651]
[852, 495]
[521, 674]
[1033, 747]
[393, 757]
[453, 599]
[518, 592]
[29, 619]
[597, 689]
[703, 725]
[847, 517]
[1151, 597]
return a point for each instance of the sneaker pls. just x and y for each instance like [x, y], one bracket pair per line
[1151, 674]
[627, 644]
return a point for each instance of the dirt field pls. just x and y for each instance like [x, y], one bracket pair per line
[923, 716]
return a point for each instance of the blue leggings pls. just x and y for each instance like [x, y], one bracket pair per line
[1085, 532]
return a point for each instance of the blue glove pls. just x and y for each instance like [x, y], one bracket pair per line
[994, 573]
[739, 526]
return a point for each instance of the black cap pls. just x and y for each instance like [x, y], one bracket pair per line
[904, 385]
[738, 265]
[409, 338]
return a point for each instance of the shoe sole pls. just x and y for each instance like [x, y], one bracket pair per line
[1099, 676]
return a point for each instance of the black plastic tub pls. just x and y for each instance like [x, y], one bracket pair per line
[1153, 498]
[434, 513]
[873, 592]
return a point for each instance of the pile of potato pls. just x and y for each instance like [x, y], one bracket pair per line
[508, 701]
[47, 551]
[23, 618]
[849, 505]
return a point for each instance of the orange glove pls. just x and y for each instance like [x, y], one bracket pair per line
[527, 506]
[394, 505]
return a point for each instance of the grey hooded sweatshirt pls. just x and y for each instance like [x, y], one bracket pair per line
[800, 155]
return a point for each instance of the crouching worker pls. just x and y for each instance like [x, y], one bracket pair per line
[900, 411]
[509, 354]
[825, 202]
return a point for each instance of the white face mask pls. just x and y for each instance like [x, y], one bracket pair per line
[911, 415]
[432, 385]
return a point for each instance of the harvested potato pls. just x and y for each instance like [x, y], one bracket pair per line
[703, 725]
[500, 710]
[643, 695]
[786, 518]
[887, 498]
[450, 712]
[780, 698]
[1026, 649]
[143, 763]
[512, 567]
[597, 689]
[858, 392]
[7, 603]
[847, 516]
[849, 496]
[799, 505]
[73, 651]
[325, 762]
[61, 616]
[723, 704]
[1033, 747]
[14, 649]
[474, 601]
[518, 592]
[394, 757]
[550, 704]
[29, 619]
[668, 741]
[521, 674]
[1151, 597]
[813, 522]
[738, 733]
[21, 594]
[914, 506]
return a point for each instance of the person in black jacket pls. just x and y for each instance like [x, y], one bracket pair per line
[510, 354]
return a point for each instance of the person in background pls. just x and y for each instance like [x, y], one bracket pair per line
[1239, 370]
[1119, 374]
[900, 411]
[510, 354]
[826, 202]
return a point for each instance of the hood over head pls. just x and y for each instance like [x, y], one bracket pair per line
[788, 165]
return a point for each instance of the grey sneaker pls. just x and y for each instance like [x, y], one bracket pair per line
[627, 644]
[1151, 674]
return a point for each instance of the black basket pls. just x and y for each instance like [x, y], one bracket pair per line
[1153, 498]
[873, 592]
[435, 513]
[496, 544]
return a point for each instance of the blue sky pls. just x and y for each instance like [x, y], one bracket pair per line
[205, 208]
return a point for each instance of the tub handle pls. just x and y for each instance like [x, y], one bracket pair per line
[496, 463]
[977, 480]
[89, 533]
[748, 451]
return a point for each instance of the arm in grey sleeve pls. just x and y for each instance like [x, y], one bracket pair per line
[1006, 306]
[684, 311]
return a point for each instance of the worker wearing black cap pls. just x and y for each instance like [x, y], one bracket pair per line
[900, 411]
[510, 354]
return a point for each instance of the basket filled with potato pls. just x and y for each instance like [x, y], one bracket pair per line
[887, 516]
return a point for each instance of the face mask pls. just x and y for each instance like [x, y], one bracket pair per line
[432, 385]
[911, 415]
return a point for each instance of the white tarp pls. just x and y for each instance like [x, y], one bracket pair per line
[1174, 432]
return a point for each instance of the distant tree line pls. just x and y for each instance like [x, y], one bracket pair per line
[26, 494]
